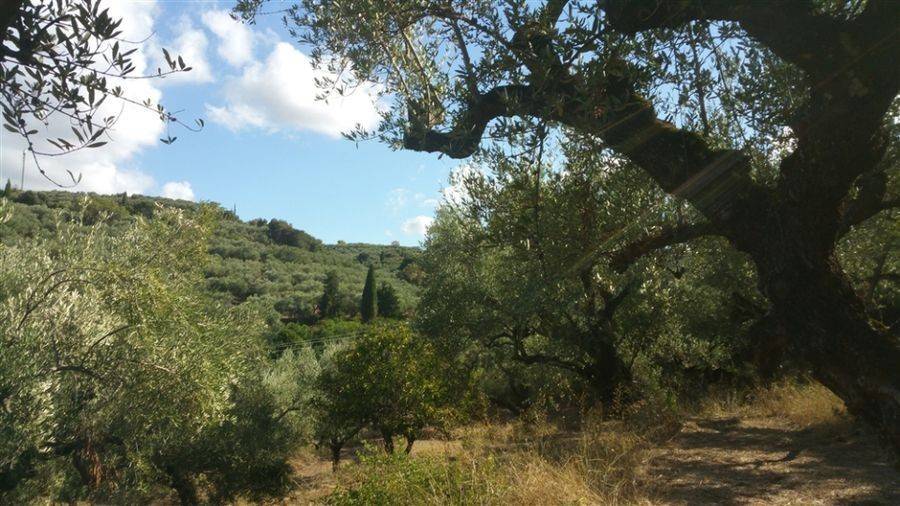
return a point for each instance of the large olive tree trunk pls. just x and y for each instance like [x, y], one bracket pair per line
[849, 69]
[829, 331]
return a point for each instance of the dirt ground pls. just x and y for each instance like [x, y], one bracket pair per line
[723, 461]
[731, 461]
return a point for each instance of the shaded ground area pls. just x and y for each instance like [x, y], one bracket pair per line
[732, 461]
[747, 460]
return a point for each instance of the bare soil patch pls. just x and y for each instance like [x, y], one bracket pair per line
[770, 460]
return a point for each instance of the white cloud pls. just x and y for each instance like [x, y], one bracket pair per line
[180, 190]
[107, 169]
[417, 226]
[236, 116]
[235, 39]
[280, 94]
[190, 45]
[399, 199]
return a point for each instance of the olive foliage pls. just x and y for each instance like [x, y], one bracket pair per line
[530, 266]
[118, 374]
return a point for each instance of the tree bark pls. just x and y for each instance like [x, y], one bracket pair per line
[830, 331]
[608, 374]
[9, 11]
[183, 486]
[388, 441]
[335, 447]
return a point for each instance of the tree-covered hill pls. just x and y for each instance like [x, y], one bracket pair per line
[267, 259]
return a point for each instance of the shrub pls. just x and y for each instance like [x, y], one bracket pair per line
[400, 479]
[388, 301]
[281, 232]
[120, 376]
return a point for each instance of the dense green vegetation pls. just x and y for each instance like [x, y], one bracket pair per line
[125, 371]
[267, 260]
[115, 364]
[721, 106]
[666, 200]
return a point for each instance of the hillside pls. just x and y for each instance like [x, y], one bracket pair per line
[266, 259]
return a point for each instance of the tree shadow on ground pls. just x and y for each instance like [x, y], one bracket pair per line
[732, 461]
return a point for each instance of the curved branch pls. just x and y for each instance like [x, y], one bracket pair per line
[621, 259]
[465, 136]
[868, 202]
[792, 29]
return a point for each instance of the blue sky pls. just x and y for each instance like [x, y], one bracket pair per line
[268, 148]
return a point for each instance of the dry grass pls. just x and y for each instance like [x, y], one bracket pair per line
[598, 465]
[804, 403]
[507, 463]
[604, 462]
[545, 465]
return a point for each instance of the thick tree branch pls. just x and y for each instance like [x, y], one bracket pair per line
[537, 358]
[614, 302]
[9, 11]
[849, 65]
[465, 136]
[792, 29]
[868, 202]
[622, 258]
[681, 162]
[604, 102]
[552, 11]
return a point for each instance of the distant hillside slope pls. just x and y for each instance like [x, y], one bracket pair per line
[266, 259]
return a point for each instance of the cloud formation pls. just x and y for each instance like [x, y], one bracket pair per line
[235, 38]
[417, 226]
[190, 44]
[179, 190]
[397, 199]
[107, 169]
[400, 198]
[280, 94]
[275, 93]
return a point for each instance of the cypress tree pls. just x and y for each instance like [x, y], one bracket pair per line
[369, 305]
[7, 190]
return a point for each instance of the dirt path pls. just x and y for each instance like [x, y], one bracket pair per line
[732, 461]
[720, 461]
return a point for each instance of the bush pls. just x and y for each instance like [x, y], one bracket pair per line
[388, 301]
[399, 479]
[245, 453]
[119, 376]
[281, 232]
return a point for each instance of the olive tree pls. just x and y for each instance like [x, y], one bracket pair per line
[118, 374]
[769, 118]
[389, 380]
[61, 61]
[517, 267]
